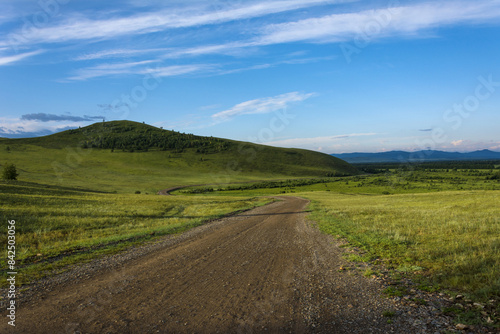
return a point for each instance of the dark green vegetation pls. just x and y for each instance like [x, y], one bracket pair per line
[386, 182]
[84, 192]
[440, 227]
[88, 192]
[57, 226]
[283, 184]
[380, 168]
[100, 157]
[9, 172]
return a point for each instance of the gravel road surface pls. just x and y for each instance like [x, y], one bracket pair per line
[266, 270]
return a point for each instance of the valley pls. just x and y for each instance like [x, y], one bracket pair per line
[310, 227]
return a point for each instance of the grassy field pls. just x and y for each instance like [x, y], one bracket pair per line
[69, 159]
[57, 226]
[451, 236]
[441, 223]
[392, 182]
[444, 223]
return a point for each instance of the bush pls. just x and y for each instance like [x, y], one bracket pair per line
[9, 172]
[495, 176]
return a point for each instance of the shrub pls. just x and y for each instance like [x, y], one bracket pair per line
[495, 176]
[9, 172]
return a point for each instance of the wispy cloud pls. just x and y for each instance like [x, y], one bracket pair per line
[7, 60]
[315, 141]
[404, 20]
[262, 105]
[169, 71]
[78, 28]
[117, 53]
[105, 70]
[43, 117]
[137, 68]
[408, 21]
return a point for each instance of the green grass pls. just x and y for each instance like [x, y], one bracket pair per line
[441, 223]
[454, 236]
[57, 226]
[388, 184]
[59, 159]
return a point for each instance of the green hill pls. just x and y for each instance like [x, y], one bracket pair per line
[126, 156]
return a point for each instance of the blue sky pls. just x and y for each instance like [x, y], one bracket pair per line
[332, 76]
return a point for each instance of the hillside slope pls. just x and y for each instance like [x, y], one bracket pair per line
[125, 155]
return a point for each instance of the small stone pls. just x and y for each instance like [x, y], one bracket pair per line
[459, 297]
[39, 254]
[478, 305]
[489, 320]
[461, 327]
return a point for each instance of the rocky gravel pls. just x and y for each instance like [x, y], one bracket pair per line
[267, 270]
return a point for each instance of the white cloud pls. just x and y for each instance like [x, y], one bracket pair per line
[15, 127]
[136, 68]
[77, 27]
[116, 53]
[370, 24]
[169, 71]
[13, 59]
[315, 141]
[457, 142]
[495, 146]
[404, 20]
[262, 105]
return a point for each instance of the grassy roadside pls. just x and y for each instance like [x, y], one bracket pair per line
[453, 235]
[448, 239]
[58, 226]
[440, 227]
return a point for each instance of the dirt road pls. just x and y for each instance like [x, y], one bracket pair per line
[266, 270]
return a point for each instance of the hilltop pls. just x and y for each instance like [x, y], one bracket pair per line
[126, 155]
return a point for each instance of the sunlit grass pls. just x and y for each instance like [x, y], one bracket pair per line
[55, 221]
[455, 236]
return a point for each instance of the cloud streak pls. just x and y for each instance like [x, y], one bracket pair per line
[137, 68]
[8, 60]
[395, 21]
[402, 21]
[262, 105]
[82, 28]
[315, 141]
[43, 117]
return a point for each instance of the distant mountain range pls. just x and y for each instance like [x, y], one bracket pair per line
[418, 156]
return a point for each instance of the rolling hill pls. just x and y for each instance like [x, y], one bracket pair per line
[127, 156]
[419, 156]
